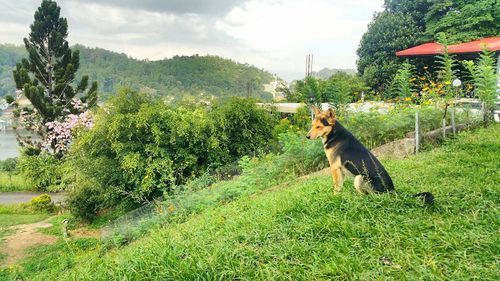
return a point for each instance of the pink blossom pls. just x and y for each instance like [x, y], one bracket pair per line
[60, 134]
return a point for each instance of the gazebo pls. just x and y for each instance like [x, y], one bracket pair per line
[467, 49]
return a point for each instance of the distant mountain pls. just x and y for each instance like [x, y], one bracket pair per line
[199, 76]
[325, 73]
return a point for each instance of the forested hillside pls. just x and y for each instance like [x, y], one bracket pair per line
[200, 76]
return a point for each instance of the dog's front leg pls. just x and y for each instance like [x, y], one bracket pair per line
[338, 178]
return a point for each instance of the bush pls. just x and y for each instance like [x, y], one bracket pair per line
[242, 127]
[43, 171]
[42, 203]
[85, 201]
[140, 148]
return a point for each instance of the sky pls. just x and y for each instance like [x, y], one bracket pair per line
[275, 35]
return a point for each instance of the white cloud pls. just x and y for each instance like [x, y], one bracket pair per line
[284, 32]
[275, 34]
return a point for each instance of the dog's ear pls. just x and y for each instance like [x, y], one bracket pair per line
[330, 115]
[315, 110]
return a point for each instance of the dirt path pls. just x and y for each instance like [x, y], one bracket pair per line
[25, 236]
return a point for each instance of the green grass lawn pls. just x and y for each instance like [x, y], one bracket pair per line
[16, 183]
[305, 232]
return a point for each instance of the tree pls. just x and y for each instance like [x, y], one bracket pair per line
[9, 165]
[417, 9]
[406, 23]
[47, 76]
[387, 33]
[463, 20]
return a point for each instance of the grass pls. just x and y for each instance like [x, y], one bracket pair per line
[15, 214]
[18, 183]
[305, 232]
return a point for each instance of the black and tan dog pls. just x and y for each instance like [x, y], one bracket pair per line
[348, 157]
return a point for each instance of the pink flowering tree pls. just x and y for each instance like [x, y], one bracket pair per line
[60, 133]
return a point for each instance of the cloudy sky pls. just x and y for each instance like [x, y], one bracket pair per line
[272, 34]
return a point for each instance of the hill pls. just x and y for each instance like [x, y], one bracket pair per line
[302, 231]
[200, 76]
[325, 73]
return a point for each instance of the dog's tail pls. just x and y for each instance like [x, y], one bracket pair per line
[426, 197]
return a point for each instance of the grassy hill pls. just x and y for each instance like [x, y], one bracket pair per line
[199, 76]
[302, 231]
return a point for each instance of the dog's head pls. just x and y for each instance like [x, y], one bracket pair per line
[322, 124]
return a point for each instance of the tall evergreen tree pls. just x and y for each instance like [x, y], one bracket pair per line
[47, 77]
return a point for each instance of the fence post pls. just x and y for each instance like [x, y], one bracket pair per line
[453, 120]
[444, 127]
[417, 132]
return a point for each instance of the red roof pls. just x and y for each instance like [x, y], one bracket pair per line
[476, 46]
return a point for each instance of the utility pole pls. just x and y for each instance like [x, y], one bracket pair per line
[309, 64]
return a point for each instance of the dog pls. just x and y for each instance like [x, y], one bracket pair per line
[348, 157]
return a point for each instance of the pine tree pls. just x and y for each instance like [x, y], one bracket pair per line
[47, 76]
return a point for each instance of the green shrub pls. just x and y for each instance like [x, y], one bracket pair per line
[374, 129]
[242, 127]
[42, 203]
[42, 171]
[485, 80]
[85, 201]
[140, 148]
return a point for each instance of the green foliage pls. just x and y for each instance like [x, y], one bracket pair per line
[86, 200]
[243, 128]
[406, 23]
[401, 85]
[9, 99]
[485, 79]
[387, 33]
[47, 76]
[374, 129]
[446, 69]
[417, 9]
[141, 148]
[52, 64]
[42, 171]
[9, 56]
[463, 20]
[9, 167]
[275, 233]
[13, 182]
[302, 118]
[340, 88]
[42, 203]
[203, 77]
